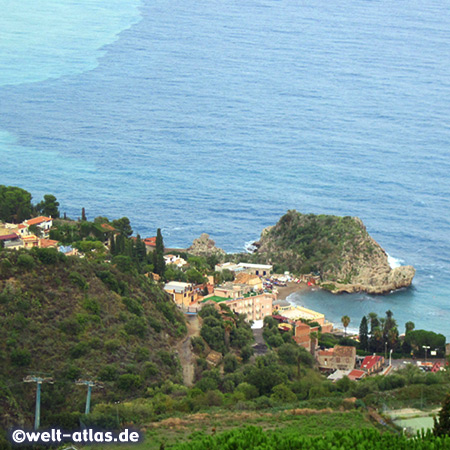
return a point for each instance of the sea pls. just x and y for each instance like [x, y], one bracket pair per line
[219, 116]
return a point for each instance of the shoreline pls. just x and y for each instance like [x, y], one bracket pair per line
[285, 291]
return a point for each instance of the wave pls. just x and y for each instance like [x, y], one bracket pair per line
[394, 262]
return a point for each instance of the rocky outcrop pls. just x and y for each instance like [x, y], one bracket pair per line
[204, 246]
[340, 249]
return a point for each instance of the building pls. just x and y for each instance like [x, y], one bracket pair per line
[262, 270]
[48, 243]
[176, 260]
[183, 294]
[150, 243]
[356, 375]
[232, 290]
[42, 222]
[253, 281]
[295, 313]
[302, 335]
[372, 364]
[11, 241]
[340, 357]
[254, 307]
[30, 241]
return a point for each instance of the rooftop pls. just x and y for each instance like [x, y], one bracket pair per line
[370, 361]
[38, 220]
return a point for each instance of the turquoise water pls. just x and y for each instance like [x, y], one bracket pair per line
[219, 116]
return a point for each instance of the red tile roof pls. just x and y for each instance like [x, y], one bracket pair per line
[151, 241]
[356, 374]
[38, 220]
[370, 361]
[329, 352]
[9, 237]
[107, 227]
[45, 243]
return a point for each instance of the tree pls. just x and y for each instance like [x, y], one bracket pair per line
[139, 249]
[123, 226]
[364, 334]
[158, 254]
[49, 206]
[345, 321]
[15, 204]
[442, 425]
[409, 326]
[83, 214]
[374, 322]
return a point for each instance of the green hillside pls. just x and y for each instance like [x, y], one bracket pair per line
[69, 318]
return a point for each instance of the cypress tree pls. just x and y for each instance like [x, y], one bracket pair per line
[112, 246]
[83, 214]
[158, 255]
[364, 334]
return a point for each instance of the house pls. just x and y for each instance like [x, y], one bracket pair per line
[252, 280]
[12, 241]
[372, 364]
[183, 294]
[340, 357]
[262, 270]
[42, 222]
[30, 241]
[150, 243]
[338, 375]
[176, 260]
[302, 335]
[356, 375]
[232, 290]
[48, 243]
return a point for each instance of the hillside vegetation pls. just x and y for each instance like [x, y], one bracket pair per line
[69, 318]
[339, 248]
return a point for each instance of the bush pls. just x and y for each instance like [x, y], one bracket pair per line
[129, 382]
[78, 279]
[108, 373]
[133, 306]
[91, 305]
[26, 261]
[80, 349]
[230, 363]
[21, 357]
[136, 326]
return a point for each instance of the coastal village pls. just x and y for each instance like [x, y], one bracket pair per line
[253, 291]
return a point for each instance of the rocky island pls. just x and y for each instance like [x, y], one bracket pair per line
[339, 248]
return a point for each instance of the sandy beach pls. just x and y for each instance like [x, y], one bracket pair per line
[285, 291]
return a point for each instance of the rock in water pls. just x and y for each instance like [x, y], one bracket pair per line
[204, 246]
[339, 248]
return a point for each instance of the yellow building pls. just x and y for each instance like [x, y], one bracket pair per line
[183, 294]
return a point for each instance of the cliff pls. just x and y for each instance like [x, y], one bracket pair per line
[339, 248]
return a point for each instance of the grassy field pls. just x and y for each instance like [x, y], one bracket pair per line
[307, 422]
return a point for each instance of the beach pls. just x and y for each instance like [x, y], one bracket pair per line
[285, 291]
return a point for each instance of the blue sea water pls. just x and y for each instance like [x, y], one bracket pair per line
[218, 117]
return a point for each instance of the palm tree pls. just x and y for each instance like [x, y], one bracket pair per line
[345, 321]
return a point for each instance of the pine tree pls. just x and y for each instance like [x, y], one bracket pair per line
[364, 334]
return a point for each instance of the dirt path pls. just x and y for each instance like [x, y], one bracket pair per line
[185, 354]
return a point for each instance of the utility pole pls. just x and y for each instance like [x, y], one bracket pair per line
[90, 384]
[38, 381]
